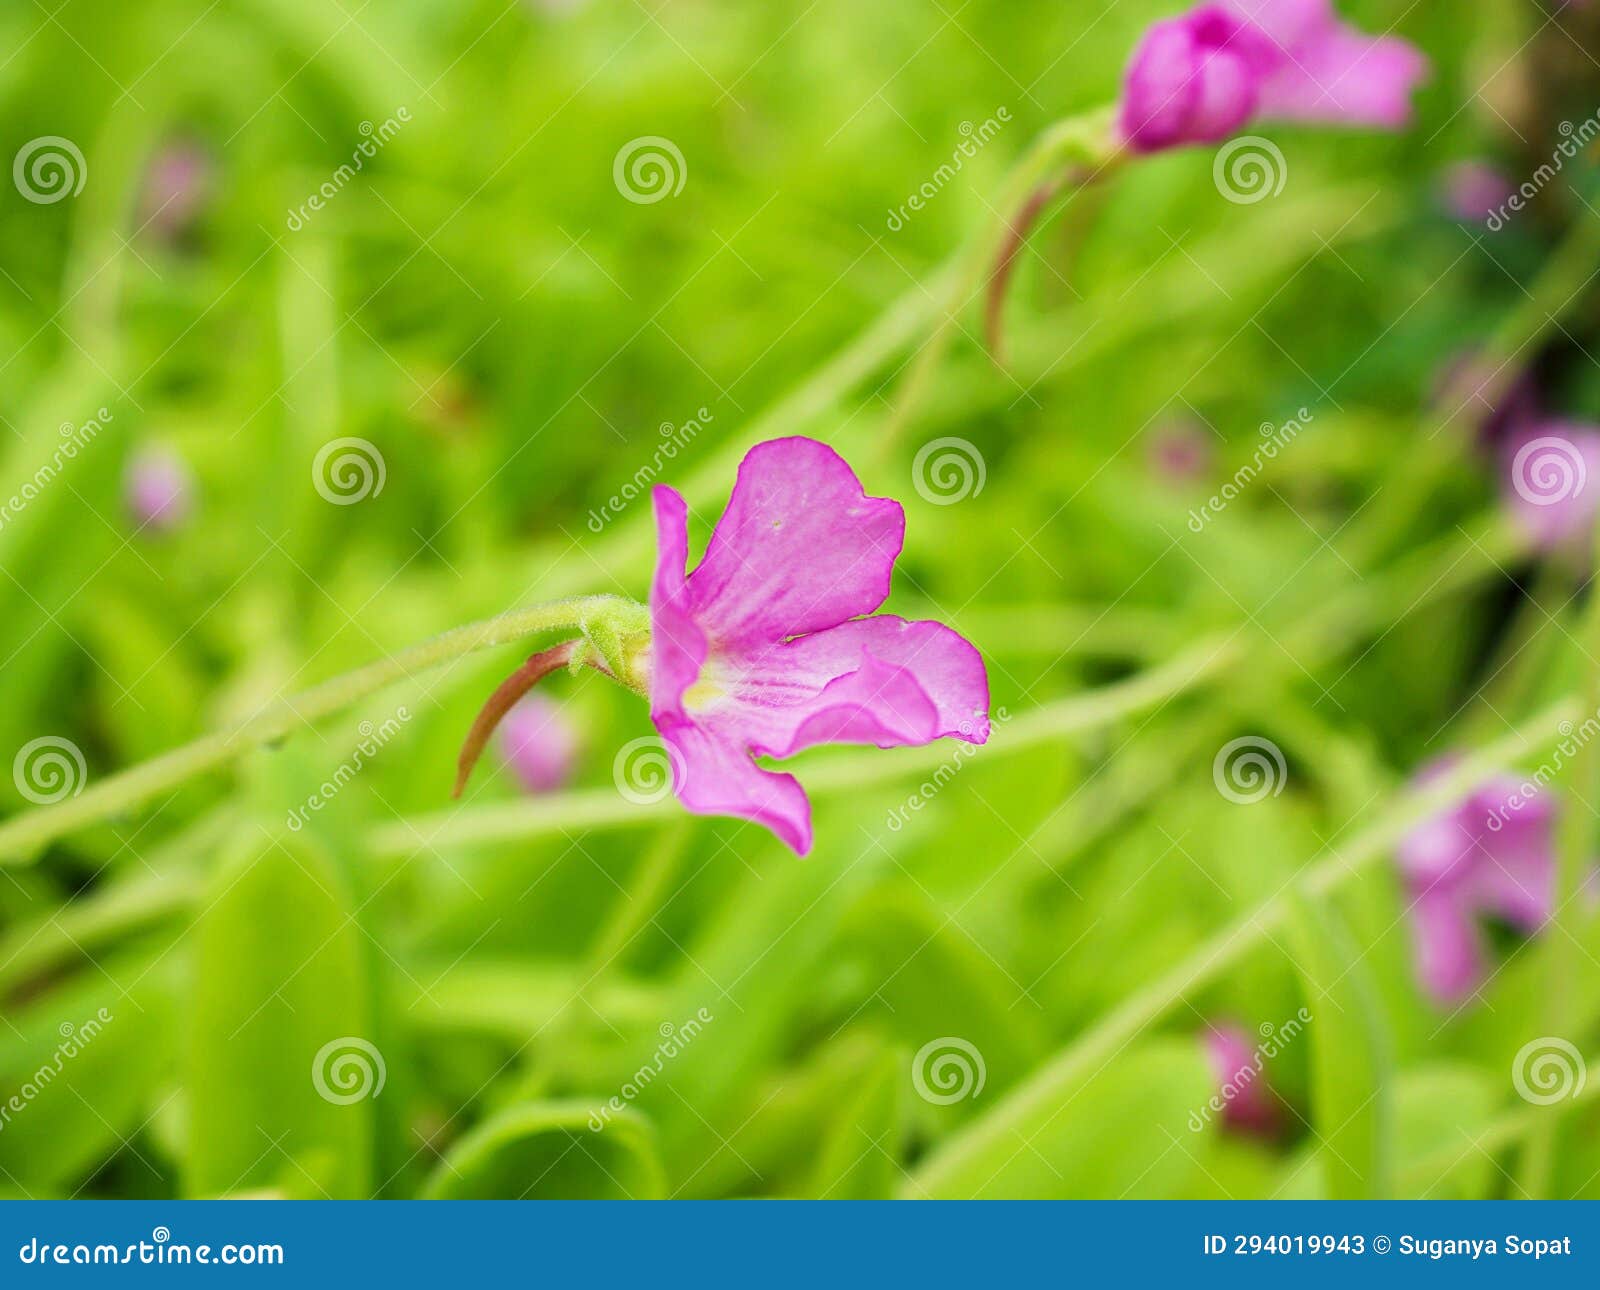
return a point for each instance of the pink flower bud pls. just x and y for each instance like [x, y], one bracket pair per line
[158, 490]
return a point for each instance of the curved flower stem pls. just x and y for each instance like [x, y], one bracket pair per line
[21, 837]
[1081, 139]
[1045, 1095]
[501, 702]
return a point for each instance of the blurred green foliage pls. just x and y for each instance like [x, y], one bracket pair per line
[483, 305]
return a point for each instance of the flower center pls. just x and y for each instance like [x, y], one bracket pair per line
[701, 695]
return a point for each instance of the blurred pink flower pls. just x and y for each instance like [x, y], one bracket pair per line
[1491, 855]
[1475, 190]
[1248, 1105]
[762, 651]
[1182, 450]
[1552, 481]
[175, 188]
[158, 490]
[1200, 77]
[539, 743]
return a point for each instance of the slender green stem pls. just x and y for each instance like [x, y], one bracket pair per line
[1575, 849]
[1430, 1170]
[1078, 138]
[21, 837]
[1046, 1094]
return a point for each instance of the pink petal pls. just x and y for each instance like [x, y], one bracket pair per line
[1448, 951]
[1333, 72]
[678, 647]
[925, 681]
[712, 776]
[1247, 1104]
[800, 548]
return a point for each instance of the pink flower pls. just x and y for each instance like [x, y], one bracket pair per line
[1552, 481]
[175, 189]
[158, 490]
[1248, 1105]
[1492, 855]
[1475, 190]
[1182, 451]
[1202, 76]
[763, 650]
[539, 743]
